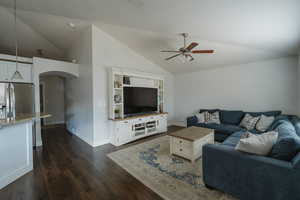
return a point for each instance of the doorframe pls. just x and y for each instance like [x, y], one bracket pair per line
[42, 83]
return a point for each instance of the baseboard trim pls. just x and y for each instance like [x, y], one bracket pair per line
[106, 141]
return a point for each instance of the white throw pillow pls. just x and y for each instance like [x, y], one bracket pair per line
[200, 117]
[212, 117]
[249, 122]
[258, 144]
[264, 122]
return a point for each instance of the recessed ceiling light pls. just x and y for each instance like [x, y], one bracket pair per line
[72, 25]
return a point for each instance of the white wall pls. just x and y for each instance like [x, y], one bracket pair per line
[29, 40]
[108, 52]
[54, 99]
[261, 86]
[298, 85]
[79, 92]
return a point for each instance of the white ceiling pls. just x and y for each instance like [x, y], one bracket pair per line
[240, 31]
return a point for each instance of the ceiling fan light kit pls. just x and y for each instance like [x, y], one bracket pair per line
[186, 52]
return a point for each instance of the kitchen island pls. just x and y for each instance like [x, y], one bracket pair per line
[16, 147]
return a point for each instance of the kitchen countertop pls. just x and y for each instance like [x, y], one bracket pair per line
[23, 118]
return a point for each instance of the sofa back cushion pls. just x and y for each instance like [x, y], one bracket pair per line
[267, 113]
[286, 129]
[232, 117]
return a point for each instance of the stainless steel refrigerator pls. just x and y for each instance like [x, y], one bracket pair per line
[16, 99]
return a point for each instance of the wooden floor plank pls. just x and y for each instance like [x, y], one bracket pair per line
[66, 168]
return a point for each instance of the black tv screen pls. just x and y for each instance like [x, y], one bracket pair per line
[139, 100]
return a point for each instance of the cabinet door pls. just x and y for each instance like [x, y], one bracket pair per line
[124, 132]
[162, 123]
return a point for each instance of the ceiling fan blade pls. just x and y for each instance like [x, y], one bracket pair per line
[191, 57]
[173, 56]
[203, 51]
[191, 46]
[171, 51]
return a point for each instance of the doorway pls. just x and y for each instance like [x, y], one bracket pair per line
[52, 100]
[42, 101]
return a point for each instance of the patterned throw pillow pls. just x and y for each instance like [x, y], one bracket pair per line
[200, 117]
[212, 117]
[264, 123]
[249, 122]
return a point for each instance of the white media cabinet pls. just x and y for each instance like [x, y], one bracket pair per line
[126, 129]
[134, 128]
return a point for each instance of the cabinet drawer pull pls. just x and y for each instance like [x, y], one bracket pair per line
[180, 141]
[180, 149]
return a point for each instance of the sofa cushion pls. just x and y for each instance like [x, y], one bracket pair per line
[288, 143]
[231, 141]
[249, 122]
[267, 113]
[264, 122]
[212, 117]
[258, 144]
[233, 117]
[296, 122]
[286, 129]
[278, 120]
[200, 117]
[221, 128]
[286, 148]
[220, 137]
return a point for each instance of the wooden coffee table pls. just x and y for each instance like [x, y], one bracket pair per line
[188, 142]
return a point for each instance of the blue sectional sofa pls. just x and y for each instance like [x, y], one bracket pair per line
[247, 176]
[230, 120]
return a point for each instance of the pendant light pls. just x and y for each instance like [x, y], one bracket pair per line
[17, 74]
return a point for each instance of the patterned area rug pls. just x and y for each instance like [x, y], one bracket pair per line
[171, 177]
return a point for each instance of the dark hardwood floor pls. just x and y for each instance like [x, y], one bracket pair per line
[67, 168]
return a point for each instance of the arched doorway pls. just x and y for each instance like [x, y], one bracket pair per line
[45, 67]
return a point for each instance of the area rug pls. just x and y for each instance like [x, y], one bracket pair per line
[170, 177]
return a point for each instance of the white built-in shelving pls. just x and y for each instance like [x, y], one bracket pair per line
[126, 129]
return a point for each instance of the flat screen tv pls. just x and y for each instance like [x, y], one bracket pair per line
[139, 100]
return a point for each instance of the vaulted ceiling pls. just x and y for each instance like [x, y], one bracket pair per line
[240, 31]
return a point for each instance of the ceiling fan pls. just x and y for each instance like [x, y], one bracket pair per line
[187, 51]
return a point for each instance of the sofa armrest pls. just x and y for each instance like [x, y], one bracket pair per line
[192, 120]
[248, 176]
[256, 161]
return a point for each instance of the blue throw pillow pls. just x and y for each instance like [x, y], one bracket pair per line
[286, 148]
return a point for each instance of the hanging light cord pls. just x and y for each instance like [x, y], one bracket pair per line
[16, 35]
